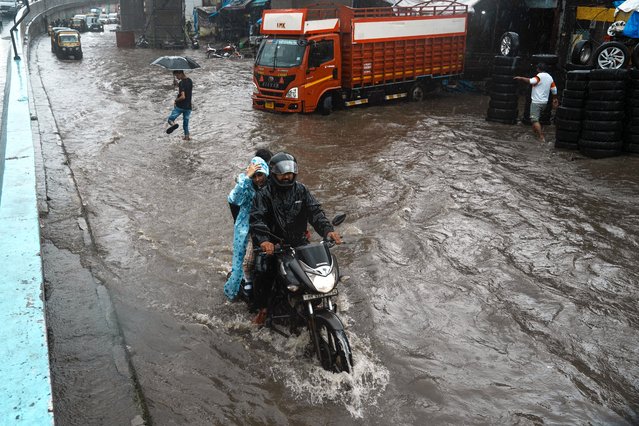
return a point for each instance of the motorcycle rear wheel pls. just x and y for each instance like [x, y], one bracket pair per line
[335, 351]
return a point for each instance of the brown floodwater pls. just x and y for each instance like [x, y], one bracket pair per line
[491, 279]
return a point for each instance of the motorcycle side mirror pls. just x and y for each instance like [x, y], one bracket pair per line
[338, 219]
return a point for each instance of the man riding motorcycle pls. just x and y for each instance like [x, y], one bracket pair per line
[285, 207]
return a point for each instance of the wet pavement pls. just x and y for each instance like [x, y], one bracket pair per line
[492, 280]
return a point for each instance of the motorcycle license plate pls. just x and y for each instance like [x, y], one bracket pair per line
[320, 296]
[269, 105]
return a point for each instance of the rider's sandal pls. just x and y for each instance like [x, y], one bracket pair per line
[260, 318]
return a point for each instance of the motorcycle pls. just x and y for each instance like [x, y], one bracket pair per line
[227, 51]
[302, 293]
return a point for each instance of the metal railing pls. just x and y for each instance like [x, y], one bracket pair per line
[14, 28]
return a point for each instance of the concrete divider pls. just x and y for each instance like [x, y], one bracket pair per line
[25, 381]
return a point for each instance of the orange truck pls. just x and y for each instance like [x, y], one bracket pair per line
[333, 55]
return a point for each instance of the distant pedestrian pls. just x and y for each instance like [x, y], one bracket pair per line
[542, 86]
[182, 105]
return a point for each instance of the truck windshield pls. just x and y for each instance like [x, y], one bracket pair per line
[280, 53]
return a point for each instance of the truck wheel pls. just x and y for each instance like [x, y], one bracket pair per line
[326, 104]
[509, 44]
[611, 55]
[416, 93]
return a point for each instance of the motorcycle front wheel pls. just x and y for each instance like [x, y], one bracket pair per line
[334, 349]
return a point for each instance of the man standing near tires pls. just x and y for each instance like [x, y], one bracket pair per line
[542, 86]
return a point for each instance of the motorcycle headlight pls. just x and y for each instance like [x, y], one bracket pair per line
[323, 284]
[292, 93]
[256, 90]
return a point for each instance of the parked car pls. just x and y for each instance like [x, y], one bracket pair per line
[113, 18]
[104, 18]
[9, 7]
[96, 27]
[93, 24]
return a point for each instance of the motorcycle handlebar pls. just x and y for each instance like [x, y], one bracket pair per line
[281, 248]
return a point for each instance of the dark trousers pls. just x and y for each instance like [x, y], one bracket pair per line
[263, 280]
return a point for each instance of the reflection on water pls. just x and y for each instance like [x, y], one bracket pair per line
[493, 279]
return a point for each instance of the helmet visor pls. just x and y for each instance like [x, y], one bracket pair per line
[285, 166]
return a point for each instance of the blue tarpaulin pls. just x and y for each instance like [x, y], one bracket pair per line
[632, 26]
[231, 4]
[258, 3]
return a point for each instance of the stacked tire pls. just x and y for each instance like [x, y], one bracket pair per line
[605, 109]
[632, 128]
[569, 116]
[504, 102]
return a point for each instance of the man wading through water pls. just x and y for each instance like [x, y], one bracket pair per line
[542, 86]
[182, 105]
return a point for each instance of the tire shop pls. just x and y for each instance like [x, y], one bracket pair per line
[593, 56]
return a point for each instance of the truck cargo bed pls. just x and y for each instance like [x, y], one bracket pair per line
[390, 45]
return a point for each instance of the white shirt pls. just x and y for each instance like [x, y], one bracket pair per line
[542, 84]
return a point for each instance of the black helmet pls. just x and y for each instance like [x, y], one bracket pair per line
[281, 163]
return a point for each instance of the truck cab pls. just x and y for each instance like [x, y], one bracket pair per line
[297, 66]
[65, 43]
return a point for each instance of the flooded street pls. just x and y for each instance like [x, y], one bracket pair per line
[491, 280]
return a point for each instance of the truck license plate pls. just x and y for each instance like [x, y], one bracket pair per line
[269, 105]
[320, 295]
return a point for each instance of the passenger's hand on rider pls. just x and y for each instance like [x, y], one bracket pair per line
[334, 236]
[252, 169]
[267, 247]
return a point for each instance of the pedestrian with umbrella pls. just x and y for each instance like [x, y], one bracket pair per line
[182, 104]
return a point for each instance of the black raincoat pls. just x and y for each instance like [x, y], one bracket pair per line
[286, 213]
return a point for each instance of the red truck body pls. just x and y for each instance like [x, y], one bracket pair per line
[335, 55]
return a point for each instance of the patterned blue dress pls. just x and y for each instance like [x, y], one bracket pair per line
[241, 195]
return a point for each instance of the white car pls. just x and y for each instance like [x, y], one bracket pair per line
[104, 19]
[113, 18]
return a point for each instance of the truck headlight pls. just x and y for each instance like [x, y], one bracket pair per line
[292, 93]
[323, 284]
[256, 90]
